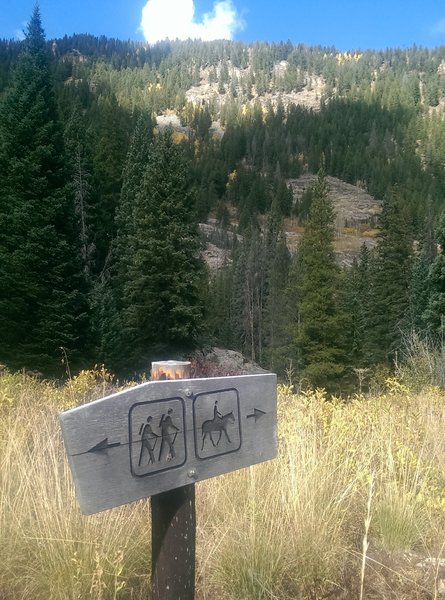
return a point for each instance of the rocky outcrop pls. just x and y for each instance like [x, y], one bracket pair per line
[219, 362]
[354, 207]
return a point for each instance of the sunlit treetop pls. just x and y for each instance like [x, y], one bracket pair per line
[35, 34]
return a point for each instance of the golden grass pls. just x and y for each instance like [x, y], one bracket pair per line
[47, 548]
[354, 501]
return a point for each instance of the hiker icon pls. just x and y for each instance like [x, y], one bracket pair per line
[148, 441]
[157, 438]
[169, 432]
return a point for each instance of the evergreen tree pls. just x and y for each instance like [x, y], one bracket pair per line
[132, 185]
[111, 133]
[391, 277]
[359, 309]
[42, 288]
[162, 280]
[259, 277]
[221, 309]
[419, 292]
[81, 181]
[277, 333]
[284, 196]
[434, 314]
[109, 286]
[320, 328]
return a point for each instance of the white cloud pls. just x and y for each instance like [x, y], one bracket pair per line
[19, 34]
[174, 19]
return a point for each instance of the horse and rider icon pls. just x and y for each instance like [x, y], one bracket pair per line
[218, 424]
[168, 434]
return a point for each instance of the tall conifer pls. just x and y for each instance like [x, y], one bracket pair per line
[108, 297]
[320, 328]
[277, 313]
[161, 275]
[390, 285]
[112, 142]
[42, 302]
[359, 309]
[434, 314]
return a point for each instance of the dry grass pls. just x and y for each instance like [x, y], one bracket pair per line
[303, 526]
[48, 550]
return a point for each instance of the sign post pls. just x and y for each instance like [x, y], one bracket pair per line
[157, 439]
[173, 520]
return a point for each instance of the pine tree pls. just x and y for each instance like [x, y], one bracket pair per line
[277, 334]
[109, 287]
[434, 313]
[162, 277]
[390, 285]
[111, 132]
[419, 293]
[42, 289]
[220, 312]
[359, 309]
[132, 184]
[81, 181]
[320, 330]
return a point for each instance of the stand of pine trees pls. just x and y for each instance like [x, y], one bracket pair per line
[99, 210]
[92, 266]
[43, 293]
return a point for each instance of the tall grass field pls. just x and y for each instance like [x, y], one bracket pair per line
[353, 507]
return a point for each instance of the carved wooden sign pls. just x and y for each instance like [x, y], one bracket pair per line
[165, 434]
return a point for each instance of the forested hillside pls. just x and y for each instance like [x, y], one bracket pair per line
[100, 202]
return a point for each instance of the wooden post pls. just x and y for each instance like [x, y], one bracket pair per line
[173, 523]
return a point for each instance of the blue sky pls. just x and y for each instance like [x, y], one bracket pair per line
[346, 24]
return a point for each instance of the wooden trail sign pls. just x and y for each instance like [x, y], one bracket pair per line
[166, 434]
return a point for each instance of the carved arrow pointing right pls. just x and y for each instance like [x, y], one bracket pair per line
[257, 414]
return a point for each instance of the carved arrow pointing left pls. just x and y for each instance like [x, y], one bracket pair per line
[103, 445]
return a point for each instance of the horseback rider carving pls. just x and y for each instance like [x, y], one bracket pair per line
[217, 424]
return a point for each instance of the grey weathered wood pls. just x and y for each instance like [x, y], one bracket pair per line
[173, 522]
[173, 544]
[103, 438]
